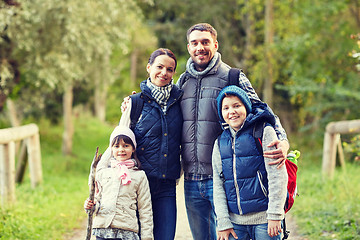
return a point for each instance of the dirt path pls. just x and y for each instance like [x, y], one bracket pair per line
[182, 227]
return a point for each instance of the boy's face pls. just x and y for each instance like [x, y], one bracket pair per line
[233, 111]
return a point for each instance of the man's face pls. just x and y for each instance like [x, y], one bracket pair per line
[202, 48]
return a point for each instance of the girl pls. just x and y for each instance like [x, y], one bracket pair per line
[158, 134]
[121, 191]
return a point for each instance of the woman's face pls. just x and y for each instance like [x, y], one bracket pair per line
[162, 70]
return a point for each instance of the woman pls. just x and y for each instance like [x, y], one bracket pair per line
[158, 134]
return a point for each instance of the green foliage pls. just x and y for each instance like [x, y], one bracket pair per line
[315, 69]
[353, 148]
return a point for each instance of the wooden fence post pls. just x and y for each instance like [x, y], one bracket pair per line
[7, 172]
[332, 141]
[8, 137]
[34, 158]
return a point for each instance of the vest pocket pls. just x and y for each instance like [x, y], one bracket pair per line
[260, 178]
[209, 92]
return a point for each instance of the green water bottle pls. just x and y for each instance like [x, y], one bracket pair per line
[293, 156]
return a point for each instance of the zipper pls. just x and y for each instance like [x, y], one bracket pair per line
[234, 175]
[195, 121]
[259, 175]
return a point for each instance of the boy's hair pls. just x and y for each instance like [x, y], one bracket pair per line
[202, 27]
[127, 140]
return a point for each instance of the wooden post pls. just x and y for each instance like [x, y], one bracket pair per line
[21, 162]
[328, 162]
[7, 173]
[8, 137]
[332, 141]
[34, 158]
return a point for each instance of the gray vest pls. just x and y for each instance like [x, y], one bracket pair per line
[201, 122]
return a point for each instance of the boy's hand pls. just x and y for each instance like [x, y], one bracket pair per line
[280, 153]
[125, 103]
[274, 227]
[224, 235]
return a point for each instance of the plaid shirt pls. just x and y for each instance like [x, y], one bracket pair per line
[245, 84]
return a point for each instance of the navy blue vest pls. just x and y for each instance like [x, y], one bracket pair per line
[158, 136]
[244, 174]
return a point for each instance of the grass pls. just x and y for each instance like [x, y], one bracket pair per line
[325, 209]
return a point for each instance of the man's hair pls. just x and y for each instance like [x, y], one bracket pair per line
[202, 27]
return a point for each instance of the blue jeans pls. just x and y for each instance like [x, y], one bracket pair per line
[254, 232]
[163, 199]
[200, 209]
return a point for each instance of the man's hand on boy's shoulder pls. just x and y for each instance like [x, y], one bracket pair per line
[280, 153]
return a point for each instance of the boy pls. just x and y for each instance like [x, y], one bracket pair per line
[249, 194]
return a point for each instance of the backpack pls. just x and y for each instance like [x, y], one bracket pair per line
[137, 103]
[291, 169]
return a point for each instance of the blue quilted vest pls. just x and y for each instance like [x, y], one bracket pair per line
[244, 174]
[158, 135]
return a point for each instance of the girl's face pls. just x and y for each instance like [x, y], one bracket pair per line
[233, 112]
[122, 151]
[162, 70]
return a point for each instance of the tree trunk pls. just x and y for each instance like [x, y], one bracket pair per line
[102, 81]
[11, 107]
[269, 40]
[100, 97]
[133, 67]
[68, 123]
[250, 35]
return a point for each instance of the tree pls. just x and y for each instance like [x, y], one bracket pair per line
[60, 42]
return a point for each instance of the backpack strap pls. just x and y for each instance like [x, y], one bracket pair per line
[137, 103]
[258, 134]
[233, 76]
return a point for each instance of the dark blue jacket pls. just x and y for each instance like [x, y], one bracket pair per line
[158, 135]
[244, 173]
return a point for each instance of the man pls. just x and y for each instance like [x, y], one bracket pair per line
[202, 81]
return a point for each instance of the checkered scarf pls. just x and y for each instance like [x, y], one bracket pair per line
[160, 94]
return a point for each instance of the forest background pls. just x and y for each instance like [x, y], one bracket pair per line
[67, 65]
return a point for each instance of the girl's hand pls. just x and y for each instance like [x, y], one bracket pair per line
[125, 102]
[224, 235]
[88, 204]
[274, 227]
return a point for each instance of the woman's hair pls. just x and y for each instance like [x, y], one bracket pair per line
[127, 140]
[162, 51]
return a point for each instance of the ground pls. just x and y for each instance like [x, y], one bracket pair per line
[182, 227]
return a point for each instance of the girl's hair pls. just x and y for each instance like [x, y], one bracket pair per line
[162, 51]
[127, 140]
